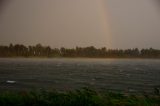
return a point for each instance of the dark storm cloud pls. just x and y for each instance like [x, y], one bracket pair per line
[3, 3]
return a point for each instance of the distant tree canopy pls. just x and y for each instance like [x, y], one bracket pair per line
[19, 50]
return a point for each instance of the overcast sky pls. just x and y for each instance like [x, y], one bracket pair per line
[71, 23]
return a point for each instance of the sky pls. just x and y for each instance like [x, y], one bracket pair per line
[69, 23]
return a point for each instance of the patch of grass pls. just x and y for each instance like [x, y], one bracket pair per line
[82, 97]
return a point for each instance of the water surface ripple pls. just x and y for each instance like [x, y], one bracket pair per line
[65, 74]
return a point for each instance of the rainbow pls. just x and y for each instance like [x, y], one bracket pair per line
[105, 19]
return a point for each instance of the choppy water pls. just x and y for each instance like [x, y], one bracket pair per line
[66, 74]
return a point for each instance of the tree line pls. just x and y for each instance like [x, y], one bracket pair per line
[19, 50]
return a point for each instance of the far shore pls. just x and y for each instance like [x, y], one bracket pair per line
[136, 58]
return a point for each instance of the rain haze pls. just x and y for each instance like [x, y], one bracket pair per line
[71, 23]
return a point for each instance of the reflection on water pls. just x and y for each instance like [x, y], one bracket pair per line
[65, 74]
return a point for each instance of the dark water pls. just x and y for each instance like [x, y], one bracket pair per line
[66, 74]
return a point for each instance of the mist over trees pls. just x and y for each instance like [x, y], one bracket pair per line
[19, 50]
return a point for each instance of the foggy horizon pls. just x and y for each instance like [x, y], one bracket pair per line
[69, 23]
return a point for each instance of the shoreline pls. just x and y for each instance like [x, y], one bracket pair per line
[125, 58]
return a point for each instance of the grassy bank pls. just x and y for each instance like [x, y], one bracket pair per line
[83, 97]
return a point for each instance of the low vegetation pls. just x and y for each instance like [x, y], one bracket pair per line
[83, 97]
